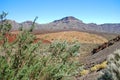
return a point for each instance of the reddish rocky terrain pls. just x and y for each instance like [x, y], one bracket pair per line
[12, 37]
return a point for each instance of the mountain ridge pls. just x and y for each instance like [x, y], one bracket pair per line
[69, 23]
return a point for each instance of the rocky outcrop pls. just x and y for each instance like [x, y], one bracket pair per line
[105, 45]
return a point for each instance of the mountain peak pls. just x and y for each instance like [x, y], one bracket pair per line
[28, 22]
[67, 19]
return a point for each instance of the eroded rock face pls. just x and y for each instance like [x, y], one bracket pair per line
[105, 45]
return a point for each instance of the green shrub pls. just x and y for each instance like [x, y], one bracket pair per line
[18, 59]
[113, 70]
[106, 76]
[61, 52]
[25, 60]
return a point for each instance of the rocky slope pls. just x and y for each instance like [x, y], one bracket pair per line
[97, 58]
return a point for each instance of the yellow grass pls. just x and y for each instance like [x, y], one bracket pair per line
[84, 72]
[103, 65]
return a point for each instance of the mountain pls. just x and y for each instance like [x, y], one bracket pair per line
[68, 19]
[68, 23]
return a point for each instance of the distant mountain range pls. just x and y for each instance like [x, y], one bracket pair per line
[68, 23]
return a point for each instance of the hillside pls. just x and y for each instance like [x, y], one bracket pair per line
[70, 36]
[97, 58]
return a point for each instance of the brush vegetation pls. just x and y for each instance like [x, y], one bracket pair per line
[113, 68]
[23, 59]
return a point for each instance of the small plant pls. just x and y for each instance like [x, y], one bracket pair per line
[113, 69]
[103, 65]
[94, 68]
[84, 72]
[97, 67]
[106, 75]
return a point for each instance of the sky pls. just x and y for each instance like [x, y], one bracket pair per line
[89, 11]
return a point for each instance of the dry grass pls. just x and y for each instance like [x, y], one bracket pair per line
[70, 36]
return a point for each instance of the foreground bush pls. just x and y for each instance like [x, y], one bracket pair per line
[113, 70]
[25, 60]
